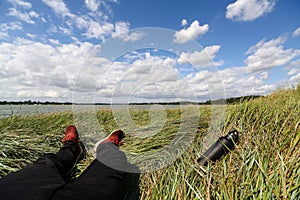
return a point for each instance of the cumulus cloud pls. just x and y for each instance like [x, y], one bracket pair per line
[25, 17]
[58, 7]
[100, 9]
[54, 42]
[97, 30]
[5, 27]
[158, 78]
[294, 72]
[264, 75]
[33, 14]
[247, 10]
[184, 22]
[93, 5]
[23, 4]
[268, 54]
[34, 69]
[122, 32]
[230, 82]
[3, 35]
[38, 94]
[192, 32]
[143, 70]
[159, 69]
[237, 82]
[296, 33]
[90, 25]
[295, 78]
[38, 70]
[147, 78]
[32, 36]
[202, 58]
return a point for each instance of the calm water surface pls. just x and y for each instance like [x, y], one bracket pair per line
[10, 110]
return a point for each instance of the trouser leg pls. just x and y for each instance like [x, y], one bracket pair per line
[39, 179]
[103, 179]
[65, 159]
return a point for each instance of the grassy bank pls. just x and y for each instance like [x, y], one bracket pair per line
[265, 164]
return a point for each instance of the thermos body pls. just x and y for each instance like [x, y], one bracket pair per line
[221, 147]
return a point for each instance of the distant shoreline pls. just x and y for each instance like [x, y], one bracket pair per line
[208, 102]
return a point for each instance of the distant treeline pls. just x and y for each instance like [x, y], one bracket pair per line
[29, 102]
[232, 100]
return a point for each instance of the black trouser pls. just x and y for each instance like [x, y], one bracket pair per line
[46, 178]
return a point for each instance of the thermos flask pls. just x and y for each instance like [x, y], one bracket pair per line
[221, 147]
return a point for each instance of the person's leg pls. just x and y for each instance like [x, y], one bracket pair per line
[104, 177]
[66, 158]
[39, 179]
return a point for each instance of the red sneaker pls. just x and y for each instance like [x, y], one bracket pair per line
[71, 134]
[115, 137]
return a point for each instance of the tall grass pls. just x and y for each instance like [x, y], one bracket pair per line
[264, 165]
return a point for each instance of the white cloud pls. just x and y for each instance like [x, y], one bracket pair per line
[264, 75]
[34, 70]
[11, 26]
[3, 35]
[44, 20]
[202, 58]
[145, 69]
[54, 42]
[59, 7]
[23, 4]
[295, 79]
[293, 67]
[97, 30]
[93, 5]
[247, 10]
[100, 9]
[184, 22]
[292, 72]
[155, 78]
[32, 36]
[39, 93]
[153, 68]
[122, 32]
[52, 29]
[269, 54]
[148, 78]
[65, 30]
[192, 32]
[93, 25]
[296, 33]
[25, 17]
[38, 70]
[237, 82]
[33, 14]
[82, 22]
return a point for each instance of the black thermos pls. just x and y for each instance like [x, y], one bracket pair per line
[221, 147]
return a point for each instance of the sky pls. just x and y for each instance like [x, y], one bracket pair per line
[147, 51]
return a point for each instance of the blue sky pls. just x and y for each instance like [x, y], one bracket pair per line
[92, 50]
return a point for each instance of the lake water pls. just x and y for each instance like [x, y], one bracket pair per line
[10, 110]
